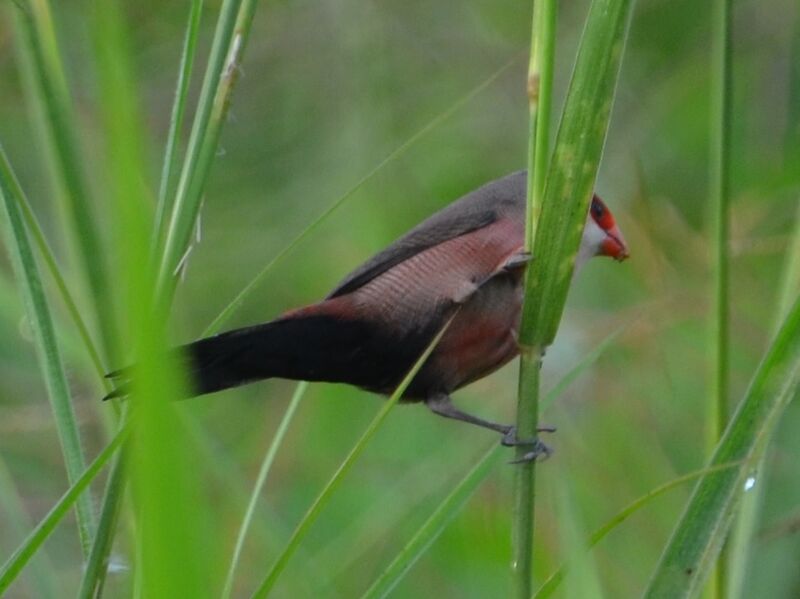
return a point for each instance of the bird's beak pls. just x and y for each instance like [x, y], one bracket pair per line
[614, 245]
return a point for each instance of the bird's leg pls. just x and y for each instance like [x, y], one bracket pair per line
[442, 405]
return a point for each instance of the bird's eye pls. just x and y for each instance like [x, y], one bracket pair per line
[597, 210]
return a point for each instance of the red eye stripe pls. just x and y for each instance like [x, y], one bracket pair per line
[601, 215]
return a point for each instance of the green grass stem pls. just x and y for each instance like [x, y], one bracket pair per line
[221, 74]
[188, 54]
[556, 222]
[719, 170]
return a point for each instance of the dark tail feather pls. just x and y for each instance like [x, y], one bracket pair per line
[311, 347]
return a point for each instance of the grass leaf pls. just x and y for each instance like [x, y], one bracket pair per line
[11, 569]
[261, 480]
[38, 313]
[699, 534]
[430, 530]
[176, 118]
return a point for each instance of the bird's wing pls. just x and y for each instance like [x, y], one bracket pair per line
[476, 210]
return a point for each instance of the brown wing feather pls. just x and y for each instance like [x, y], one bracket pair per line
[416, 293]
[481, 208]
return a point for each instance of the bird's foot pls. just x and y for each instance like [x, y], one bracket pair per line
[536, 449]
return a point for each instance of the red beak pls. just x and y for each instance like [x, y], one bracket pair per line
[614, 245]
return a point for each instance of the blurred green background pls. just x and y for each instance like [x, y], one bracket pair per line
[327, 91]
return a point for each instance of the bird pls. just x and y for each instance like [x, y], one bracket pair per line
[464, 264]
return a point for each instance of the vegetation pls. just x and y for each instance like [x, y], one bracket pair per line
[155, 152]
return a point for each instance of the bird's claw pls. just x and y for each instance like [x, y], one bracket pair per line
[517, 261]
[537, 448]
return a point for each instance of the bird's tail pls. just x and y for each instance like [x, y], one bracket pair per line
[316, 343]
[311, 347]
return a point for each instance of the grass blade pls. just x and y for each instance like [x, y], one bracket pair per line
[455, 500]
[699, 534]
[41, 53]
[23, 554]
[176, 118]
[259, 486]
[42, 573]
[556, 224]
[94, 574]
[719, 170]
[322, 499]
[230, 38]
[176, 554]
[434, 525]
[41, 322]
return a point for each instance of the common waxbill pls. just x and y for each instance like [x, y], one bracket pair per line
[371, 329]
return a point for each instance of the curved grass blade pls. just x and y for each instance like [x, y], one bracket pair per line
[454, 501]
[23, 554]
[554, 580]
[431, 529]
[41, 322]
[237, 301]
[176, 118]
[42, 572]
[261, 480]
[324, 497]
[41, 53]
[698, 536]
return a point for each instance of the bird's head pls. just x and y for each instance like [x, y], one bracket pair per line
[601, 236]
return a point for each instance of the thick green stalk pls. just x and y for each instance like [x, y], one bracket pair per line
[560, 218]
[540, 77]
[719, 168]
[38, 313]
